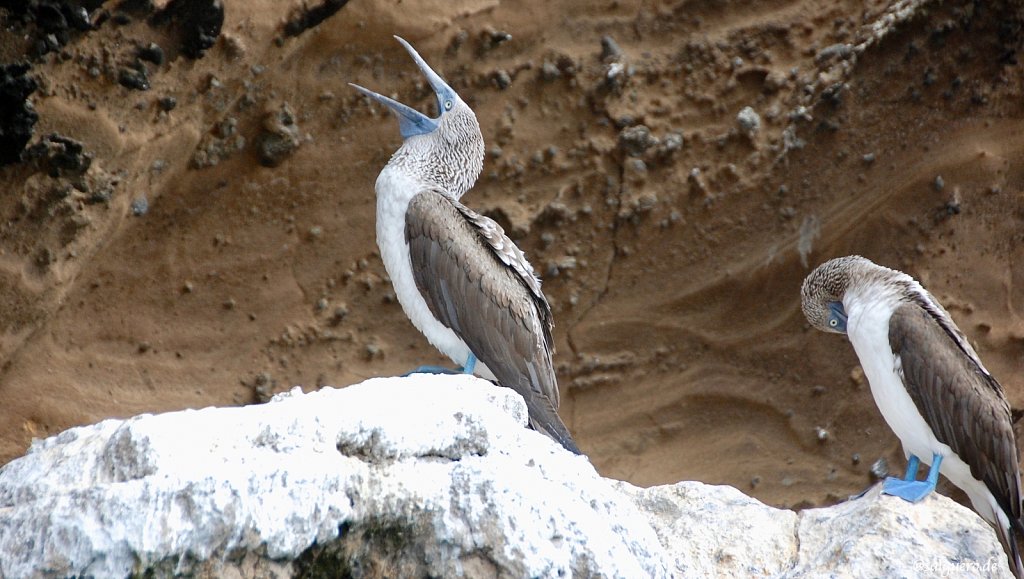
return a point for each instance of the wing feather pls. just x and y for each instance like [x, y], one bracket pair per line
[500, 312]
[961, 402]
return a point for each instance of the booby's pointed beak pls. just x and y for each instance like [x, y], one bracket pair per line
[410, 121]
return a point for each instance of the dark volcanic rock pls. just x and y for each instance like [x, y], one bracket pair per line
[136, 6]
[52, 15]
[60, 156]
[167, 103]
[19, 117]
[198, 23]
[152, 53]
[304, 18]
[134, 77]
[280, 137]
[50, 23]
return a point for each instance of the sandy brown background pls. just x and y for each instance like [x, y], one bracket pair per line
[673, 272]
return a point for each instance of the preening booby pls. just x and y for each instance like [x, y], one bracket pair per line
[929, 385]
[459, 278]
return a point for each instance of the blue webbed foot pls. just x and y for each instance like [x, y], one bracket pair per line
[432, 370]
[908, 490]
[912, 490]
[467, 369]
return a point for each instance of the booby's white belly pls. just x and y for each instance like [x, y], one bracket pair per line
[394, 192]
[868, 330]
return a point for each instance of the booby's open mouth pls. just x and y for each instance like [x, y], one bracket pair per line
[410, 121]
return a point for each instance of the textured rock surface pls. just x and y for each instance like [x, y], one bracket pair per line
[434, 475]
[719, 531]
[673, 275]
[419, 476]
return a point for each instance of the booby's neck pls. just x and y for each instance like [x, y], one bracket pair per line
[880, 299]
[437, 161]
[880, 290]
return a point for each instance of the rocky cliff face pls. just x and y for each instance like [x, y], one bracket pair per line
[419, 476]
[194, 205]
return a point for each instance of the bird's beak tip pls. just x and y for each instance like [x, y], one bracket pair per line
[434, 79]
[367, 92]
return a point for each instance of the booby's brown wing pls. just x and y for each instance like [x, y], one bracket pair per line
[961, 402]
[479, 284]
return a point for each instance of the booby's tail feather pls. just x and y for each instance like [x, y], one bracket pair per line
[544, 419]
[1012, 539]
[1016, 565]
[1016, 542]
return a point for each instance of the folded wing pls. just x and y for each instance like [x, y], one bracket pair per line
[479, 284]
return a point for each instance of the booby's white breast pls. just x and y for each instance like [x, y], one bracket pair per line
[395, 188]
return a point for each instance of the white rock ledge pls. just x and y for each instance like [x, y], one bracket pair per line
[426, 475]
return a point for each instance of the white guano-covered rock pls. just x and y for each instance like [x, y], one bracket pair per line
[719, 529]
[426, 475]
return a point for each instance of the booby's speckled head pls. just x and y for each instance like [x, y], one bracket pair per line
[446, 152]
[822, 293]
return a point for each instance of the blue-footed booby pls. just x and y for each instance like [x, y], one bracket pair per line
[930, 386]
[459, 278]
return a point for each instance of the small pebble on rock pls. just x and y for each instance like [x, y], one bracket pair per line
[152, 53]
[880, 468]
[749, 121]
[140, 206]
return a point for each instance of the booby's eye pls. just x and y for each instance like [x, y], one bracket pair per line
[447, 105]
[836, 317]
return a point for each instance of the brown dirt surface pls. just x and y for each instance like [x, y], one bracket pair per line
[183, 267]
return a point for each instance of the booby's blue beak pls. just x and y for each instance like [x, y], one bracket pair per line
[410, 121]
[836, 317]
